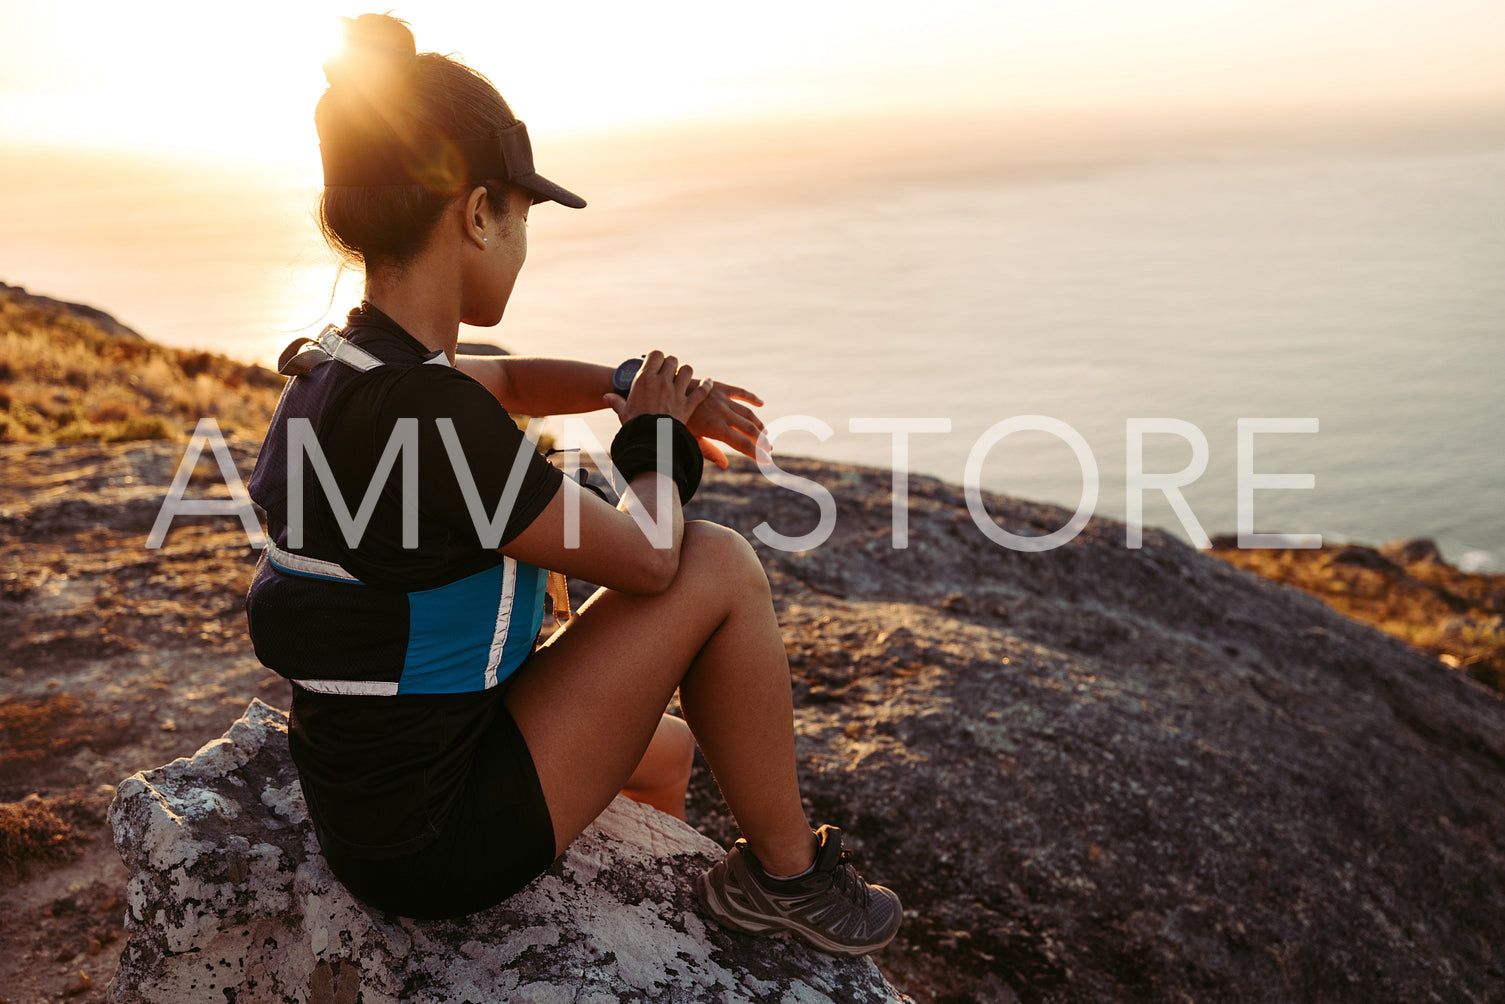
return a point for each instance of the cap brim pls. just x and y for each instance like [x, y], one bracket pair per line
[545, 190]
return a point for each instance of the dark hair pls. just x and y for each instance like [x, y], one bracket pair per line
[386, 96]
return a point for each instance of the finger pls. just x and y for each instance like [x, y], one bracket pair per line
[732, 423]
[751, 437]
[741, 394]
[668, 366]
[652, 363]
[763, 450]
[618, 404]
[745, 421]
[699, 394]
[743, 411]
[713, 453]
[684, 380]
[743, 442]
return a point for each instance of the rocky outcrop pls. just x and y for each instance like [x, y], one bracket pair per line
[1102, 774]
[229, 899]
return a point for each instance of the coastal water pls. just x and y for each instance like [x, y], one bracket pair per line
[981, 275]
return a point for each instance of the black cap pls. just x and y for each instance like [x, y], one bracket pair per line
[506, 153]
[509, 154]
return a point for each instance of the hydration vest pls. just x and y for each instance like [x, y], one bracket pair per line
[315, 623]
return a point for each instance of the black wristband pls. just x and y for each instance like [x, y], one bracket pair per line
[634, 451]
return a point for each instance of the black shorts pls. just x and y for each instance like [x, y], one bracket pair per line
[498, 838]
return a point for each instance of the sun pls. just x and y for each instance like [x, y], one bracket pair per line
[231, 80]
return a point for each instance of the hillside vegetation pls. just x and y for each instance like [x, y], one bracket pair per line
[1406, 590]
[70, 373]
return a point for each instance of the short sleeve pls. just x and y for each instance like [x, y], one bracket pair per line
[453, 414]
[466, 438]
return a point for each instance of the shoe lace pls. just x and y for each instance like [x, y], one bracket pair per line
[850, 884]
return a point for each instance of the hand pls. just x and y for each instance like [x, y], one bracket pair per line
[661, 387]
[720, 417]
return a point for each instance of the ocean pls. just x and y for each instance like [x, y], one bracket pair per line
[971, 272]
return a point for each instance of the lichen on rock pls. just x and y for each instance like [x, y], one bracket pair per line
[229, 898]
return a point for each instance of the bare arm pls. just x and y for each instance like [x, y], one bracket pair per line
[535, 385]
[614, 551]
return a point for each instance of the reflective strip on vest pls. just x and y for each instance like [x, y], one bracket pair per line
[332, 345]
[503, 622]
[359, 688]
[346, 351]
[301, 564]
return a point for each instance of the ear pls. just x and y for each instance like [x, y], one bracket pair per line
[479, 222]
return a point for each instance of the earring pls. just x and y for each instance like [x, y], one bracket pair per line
[485, 239]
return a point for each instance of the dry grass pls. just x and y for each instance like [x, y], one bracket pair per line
[1457, 616]
[33, 729]
[66, 378]
[33, 830]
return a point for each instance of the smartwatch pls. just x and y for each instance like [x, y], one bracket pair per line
[621, 378]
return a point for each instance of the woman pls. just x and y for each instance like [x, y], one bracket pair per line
[446, 762]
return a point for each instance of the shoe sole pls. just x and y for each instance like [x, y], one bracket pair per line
[722, 914]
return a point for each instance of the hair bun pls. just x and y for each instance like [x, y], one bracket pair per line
[377, 51]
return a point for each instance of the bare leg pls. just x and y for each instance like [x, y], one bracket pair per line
[662, 777]
[590, 700]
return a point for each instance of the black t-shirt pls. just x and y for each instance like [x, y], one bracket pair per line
[380, 773]
[355, 433]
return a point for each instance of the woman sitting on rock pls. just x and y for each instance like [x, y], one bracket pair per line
[446, 761]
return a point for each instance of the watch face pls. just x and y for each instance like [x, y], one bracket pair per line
[621, 380]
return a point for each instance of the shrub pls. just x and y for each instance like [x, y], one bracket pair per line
[31, 830]
[142, 427]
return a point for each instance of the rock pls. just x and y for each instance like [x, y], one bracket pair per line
[1152, 777]
[1360, 556]
[1108, 775]
[1409, 550]
[230, 899]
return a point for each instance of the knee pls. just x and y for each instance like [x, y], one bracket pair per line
[725, 556]
[682, 747]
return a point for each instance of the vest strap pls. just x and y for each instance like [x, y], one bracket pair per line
[346, 351]
[307, 354]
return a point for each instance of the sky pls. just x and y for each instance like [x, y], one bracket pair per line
[243, 79]
[184, 80]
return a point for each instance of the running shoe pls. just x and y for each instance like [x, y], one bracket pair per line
[831, 906]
